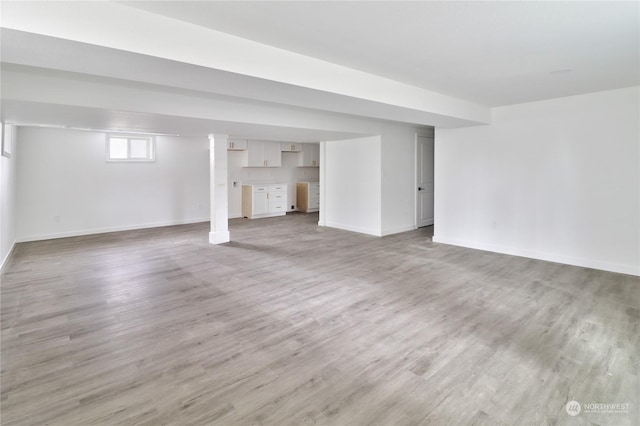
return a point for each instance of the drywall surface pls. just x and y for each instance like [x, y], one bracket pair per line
[8, 178]
[193, 44]
[289, 173]
[66, 187]
[351, 184]
[555, 180]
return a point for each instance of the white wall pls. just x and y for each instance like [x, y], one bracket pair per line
[8, 200]
[351, 184]
[289, 173]
[395, 176]
[555, 180]
[65, 186]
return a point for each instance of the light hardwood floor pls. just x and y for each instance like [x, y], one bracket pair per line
[295, 324]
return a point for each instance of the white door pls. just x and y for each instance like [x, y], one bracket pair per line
[424, 180]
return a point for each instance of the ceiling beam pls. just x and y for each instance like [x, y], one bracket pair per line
[274, 74]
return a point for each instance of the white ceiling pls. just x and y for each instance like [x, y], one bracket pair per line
[492, 53]
[424, 63]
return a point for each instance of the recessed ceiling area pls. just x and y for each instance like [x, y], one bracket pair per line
[49, 55]
[99, 119]
[42, 97]
[118, 27]
[492, 53]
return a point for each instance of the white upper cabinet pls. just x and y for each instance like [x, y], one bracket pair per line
[235, 144]
[291, 146]
[264, 154]
[272, 154]
[310, 156]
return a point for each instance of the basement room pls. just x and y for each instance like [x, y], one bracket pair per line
[328, 213]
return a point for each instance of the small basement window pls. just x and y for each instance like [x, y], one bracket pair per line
[130, 148]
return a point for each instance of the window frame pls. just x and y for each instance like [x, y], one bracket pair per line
[151, 148]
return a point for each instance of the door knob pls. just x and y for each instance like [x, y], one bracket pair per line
[419, 189]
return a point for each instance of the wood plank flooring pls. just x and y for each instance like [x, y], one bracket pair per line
[291, 324]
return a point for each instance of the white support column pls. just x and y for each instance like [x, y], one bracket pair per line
[322, 179]
[218, 189]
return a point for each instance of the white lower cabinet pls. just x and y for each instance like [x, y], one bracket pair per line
[264, 200]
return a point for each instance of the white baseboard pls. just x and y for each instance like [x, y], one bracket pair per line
[80, 232]
[8, 256]
[533, 254]
[398, 229]
[374, 232]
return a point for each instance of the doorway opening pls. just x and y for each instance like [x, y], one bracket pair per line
[424, 181]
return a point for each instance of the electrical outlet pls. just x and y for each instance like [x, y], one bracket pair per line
[293, 207]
